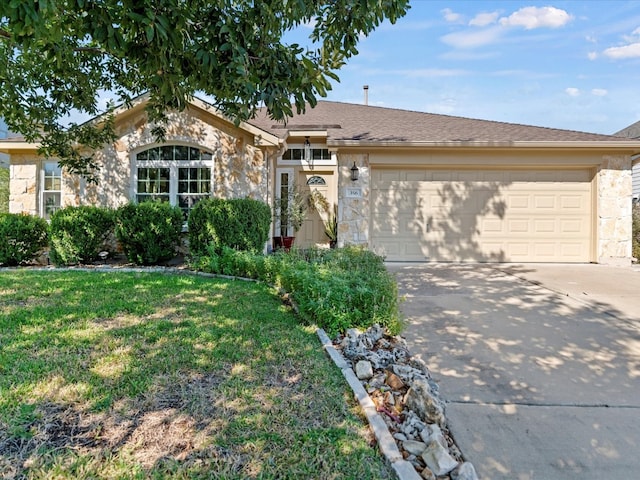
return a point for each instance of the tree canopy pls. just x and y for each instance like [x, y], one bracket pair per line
[59, 56]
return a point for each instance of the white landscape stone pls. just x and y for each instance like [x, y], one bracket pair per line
[466, 471]
[413, 447]
[364, 370]
[438, 459]
[420, 400]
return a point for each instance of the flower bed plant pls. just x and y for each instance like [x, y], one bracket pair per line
[335, 289]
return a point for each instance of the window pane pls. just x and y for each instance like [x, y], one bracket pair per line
[194, 153]
[152, 198]
[154, 153]
[182, 153]
[205, 156]
[194, 184]
[166, 153]
[52, 169]
[143, 155]
[51, 203]
[320, 154]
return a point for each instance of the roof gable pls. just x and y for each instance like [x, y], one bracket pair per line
[632, 131]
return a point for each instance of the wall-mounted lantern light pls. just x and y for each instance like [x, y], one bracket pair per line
[307, 149]
[355, 171]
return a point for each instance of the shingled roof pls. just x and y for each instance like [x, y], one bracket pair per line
[362, 124]
[632, 131]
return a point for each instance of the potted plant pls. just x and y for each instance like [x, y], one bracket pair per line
[331, 227]
[290, 211]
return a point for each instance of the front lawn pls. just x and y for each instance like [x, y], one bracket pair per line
[145, 375]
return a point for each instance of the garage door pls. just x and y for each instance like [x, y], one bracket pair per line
[482, 215]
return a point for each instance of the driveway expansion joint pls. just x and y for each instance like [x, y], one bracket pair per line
[535, 404]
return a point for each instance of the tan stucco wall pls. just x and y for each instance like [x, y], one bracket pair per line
[613, 194]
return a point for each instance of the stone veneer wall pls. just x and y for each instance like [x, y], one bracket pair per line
[23, 188]
[239, 167]
[614, 210]
[353, 213]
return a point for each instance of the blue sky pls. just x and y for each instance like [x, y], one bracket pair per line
[572, 64]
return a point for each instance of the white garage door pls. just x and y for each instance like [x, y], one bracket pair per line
[482, 215]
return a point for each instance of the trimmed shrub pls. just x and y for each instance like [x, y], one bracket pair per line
[636, 231]
[23, 237]
[335, 289]
[240, 224]
[148, 232]
[78, 234]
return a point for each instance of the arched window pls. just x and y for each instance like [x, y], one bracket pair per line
[316, 180]
[178, 174]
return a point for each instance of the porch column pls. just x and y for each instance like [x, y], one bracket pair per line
[353, 200]
[614, 191]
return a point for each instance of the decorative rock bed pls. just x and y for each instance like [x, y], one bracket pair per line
[406, 398]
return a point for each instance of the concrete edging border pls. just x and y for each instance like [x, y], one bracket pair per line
[387, 444]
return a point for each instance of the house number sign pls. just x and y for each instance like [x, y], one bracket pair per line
[353, 192]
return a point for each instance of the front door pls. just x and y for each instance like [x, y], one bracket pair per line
[324, 183]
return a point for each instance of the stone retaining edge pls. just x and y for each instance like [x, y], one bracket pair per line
[387, 444]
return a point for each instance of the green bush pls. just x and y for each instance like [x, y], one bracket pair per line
[336, 289]
[148, 232]
[636, 231]
[78, 234]
[240, 224]
[23, 237]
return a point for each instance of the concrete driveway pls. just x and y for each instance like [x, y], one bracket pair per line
[539, 364]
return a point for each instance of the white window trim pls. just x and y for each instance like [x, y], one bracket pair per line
[173, 166]
[279, 172]
[309, 164]
[42, 191]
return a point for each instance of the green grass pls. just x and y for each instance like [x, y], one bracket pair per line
[142, 375]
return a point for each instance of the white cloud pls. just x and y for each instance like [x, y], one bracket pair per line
[599, 92]
[451, 16]
[472, 39]
[484, 19]
[591, 39]
[537, 17]
[592, 55]
[626, 51]
[572, 92]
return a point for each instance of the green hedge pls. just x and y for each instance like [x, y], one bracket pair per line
[22, 238]
[335, 289]
[240, 224]
[149, 232]
[78, 234]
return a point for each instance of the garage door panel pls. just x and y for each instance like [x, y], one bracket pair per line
[501, 215]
